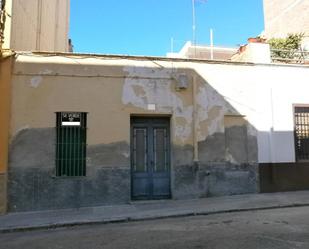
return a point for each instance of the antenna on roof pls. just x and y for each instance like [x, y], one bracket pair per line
[211, 44]
[193, 22]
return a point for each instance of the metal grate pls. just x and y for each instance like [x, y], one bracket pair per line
[71, 144]
[160, 150]
[297, 56]
[140, 149]
[301, 131]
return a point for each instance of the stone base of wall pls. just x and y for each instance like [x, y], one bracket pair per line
[276, 177]
[32, 185]
[37, 189]
[3, 193]
[214, 179]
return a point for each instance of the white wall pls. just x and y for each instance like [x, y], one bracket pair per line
[266, 95]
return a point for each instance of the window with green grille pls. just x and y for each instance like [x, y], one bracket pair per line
[301, 132]
[71, 144]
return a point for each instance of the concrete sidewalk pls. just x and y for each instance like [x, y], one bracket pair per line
[150, 210]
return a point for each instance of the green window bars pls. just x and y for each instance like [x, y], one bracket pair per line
[71, 144]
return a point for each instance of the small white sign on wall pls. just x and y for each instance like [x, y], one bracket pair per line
[151, 107]
[70, 119]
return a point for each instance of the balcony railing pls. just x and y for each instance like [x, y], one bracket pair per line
[290, 56]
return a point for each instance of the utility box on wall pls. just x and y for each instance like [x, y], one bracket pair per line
[182, 81]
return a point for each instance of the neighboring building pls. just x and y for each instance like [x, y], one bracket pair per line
[190, 51]
[37, 25]
[288, 16]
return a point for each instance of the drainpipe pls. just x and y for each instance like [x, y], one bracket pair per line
[194, 123]
[271, 140]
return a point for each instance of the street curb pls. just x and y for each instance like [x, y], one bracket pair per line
[143, 218]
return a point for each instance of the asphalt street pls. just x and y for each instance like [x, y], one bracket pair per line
[286, 228]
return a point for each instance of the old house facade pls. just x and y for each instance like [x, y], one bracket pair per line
[153, 130]
[99, 130]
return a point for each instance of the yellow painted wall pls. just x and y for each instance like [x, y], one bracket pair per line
[5, 103]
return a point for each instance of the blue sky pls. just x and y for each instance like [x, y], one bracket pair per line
[145, 27]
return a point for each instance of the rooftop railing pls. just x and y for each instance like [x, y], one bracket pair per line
[290, 56]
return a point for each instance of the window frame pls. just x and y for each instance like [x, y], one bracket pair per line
[299, 158]
[71, 146]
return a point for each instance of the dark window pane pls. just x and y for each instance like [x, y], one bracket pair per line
[301, 116]
[160, 150]
[140, 149]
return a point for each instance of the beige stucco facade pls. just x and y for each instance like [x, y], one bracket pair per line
[37, 25]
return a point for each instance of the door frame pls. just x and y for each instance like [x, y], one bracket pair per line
[141, 116]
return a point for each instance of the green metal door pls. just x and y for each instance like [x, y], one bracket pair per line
[150, 158]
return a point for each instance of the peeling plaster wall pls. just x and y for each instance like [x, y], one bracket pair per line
[265, 94]
[146, 86]
[232, 119]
